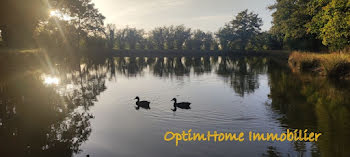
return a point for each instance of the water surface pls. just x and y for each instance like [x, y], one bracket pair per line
[86, 106]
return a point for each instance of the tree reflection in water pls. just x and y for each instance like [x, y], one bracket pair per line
[241, 73]
[47, 119]
[316, 104]
[38, 118]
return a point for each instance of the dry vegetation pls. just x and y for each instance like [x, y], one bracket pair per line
[335, 64]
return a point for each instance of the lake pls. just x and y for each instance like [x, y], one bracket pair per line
[86, 106]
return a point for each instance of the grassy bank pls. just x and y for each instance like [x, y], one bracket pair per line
[334, 65]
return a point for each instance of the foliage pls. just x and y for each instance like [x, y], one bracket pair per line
[56, 33]
[110, 35]
[169, 33]
[22, 22]
[331, 22]
[240, 32]
[182, 34]
[267, 41]
[130, 38]
[159, 36]
[307, 24]
[198, 39]
[18, 20]
[289, 18]
[224, 34]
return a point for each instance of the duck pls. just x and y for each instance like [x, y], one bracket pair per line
[142, 104]
[182, 105]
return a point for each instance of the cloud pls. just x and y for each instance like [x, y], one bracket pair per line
[202, 14]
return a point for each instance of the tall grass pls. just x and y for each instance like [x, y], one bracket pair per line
[331, 64]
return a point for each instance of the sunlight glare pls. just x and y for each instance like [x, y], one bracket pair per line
[55, 13]
[60, 15]
[51, 80]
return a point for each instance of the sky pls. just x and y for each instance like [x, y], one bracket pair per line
[207, 15]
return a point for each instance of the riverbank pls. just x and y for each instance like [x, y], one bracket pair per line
[95, 52]
[333, 65]
[194, 53]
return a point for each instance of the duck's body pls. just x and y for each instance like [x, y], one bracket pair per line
[182, 105]
[142, 104]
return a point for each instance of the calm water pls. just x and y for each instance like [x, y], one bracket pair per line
[87, 106]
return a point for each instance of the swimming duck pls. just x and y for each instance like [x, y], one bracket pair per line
[142, 104]
[182, 105]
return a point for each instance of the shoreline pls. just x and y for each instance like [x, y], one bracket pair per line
[332, 65]
[283, 54]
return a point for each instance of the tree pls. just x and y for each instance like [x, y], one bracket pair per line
[142, 43]
[289, 18]
[110, 35]
[130, 37]
[133, 37]
[182, 34]
[159, 36]
[121, 39]
[198, 39]
[245, 27]
[169, 33]
[224, 34]
[18, 20]
[208, 41]
[150, 43]
[289, 24]
[84, 16]
[215, 44]
[55, 33]
[330, 22]
[268, 41]
[240, 32]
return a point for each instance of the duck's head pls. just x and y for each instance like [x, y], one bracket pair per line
[137, 98]
[174, 99]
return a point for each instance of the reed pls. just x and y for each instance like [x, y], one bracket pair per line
[336, 65]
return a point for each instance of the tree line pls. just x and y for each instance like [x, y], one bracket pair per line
[297, 24]
[161, 38]
[312, 24]
[78, 24]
